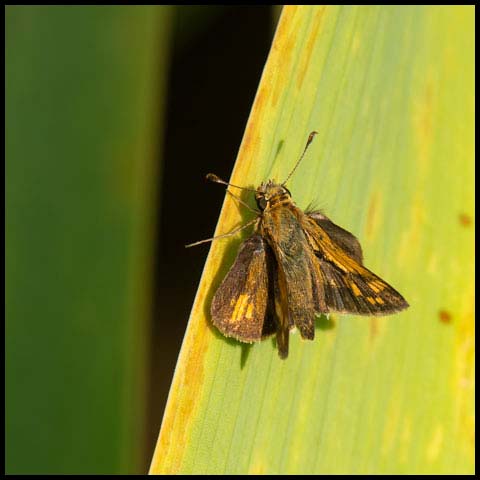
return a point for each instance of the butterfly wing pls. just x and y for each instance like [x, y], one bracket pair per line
[242, 307]
[349, 287]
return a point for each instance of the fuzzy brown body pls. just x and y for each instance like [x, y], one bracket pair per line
[294, 267]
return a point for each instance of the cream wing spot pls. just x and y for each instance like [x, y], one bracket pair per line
[240, 306]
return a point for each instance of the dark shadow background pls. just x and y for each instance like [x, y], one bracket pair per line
[213, 79]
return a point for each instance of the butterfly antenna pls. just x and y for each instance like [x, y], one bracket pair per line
[309, 141]
[213, 178]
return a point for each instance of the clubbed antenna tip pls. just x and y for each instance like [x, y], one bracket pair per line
[309, 141]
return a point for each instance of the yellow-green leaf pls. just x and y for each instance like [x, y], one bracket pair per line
[390, 91]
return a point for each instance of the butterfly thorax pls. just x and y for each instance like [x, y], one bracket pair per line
[278, 221]
[271, 195]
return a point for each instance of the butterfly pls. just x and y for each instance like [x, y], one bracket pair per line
[296, 266]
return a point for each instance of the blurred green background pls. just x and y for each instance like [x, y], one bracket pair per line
[113, 117]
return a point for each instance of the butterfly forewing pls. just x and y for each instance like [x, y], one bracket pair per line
[243, 304]
[365, 294]
[349, 287]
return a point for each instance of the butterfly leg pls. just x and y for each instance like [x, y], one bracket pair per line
[229, 234]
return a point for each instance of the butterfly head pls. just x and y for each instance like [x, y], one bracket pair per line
[270, 194]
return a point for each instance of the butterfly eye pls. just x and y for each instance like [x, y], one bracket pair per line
[262, 203]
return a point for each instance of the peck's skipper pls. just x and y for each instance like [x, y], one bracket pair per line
[294, 267]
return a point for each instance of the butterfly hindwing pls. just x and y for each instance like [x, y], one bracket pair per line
[243, 304]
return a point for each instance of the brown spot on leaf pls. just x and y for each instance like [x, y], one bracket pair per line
[444, 316]
[464, 219]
